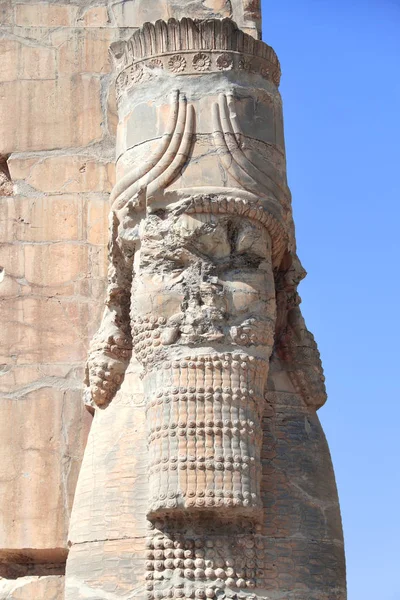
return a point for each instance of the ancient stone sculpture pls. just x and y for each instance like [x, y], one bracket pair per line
[206, 472]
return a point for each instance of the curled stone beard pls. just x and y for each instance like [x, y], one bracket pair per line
[204, 414]
[205, 359]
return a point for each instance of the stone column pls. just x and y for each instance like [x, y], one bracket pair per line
[206, 473]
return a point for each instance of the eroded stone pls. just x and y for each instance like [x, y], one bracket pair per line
[203, 377]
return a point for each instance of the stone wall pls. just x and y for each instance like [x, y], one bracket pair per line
[57, 148]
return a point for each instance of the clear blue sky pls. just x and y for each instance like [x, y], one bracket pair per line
[341, 90]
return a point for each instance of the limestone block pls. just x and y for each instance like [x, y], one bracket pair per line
[32, 588]
[11, 261]
[37, 63]
[50, 113]
[43, 435]
[6, 13]
[65, 174]
[54, 265]
[84, 50]
[9, 60]
[26, 61]
[34, 14]
[19, 168]
[50, 218]
[42, 330]
[97, 221]
[133, 13]
[51, 97]
[96, 16]
[19, 378]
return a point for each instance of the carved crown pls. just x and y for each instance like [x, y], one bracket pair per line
[191, 47]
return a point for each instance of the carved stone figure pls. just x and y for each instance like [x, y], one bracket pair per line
[206, 473]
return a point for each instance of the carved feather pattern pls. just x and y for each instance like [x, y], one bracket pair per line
[227, 134]
[187, 34]
[164, 165]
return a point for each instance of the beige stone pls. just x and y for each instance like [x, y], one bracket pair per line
[203, 377]
[45, 329]
[12, 261]
[97, 221]
[50, 218]
[20, 167]
[97, 16]
[64, 174]
[32, 14]
[6, 12]
[133, 13]
[47, 429]
[9, 59]
[26, 60]
[201, 231]
[49, 303]
[112, 115]
[86, 51]
[32, 588]
[6, 185]
[37, 63]
[55, 264]
[18, 378]
[50, 114]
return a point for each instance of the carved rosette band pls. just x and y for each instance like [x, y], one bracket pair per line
[189, 47]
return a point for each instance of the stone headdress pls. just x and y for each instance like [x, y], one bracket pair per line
[201, 131]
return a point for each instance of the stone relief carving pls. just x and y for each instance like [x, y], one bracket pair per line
[169, 159]
[134, 191]
[202, 298]
[176, 45]
[227, 134]
[204, 382]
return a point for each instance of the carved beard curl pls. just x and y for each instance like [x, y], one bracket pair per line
[154, 338]
[204, 434]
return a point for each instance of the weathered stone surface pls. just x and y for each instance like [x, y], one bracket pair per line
[6, 12]
[25, 61]
[34, 14]
[56, 171]
[66, 112]
[6, 187]
[133, 13]
[32, 588]
[86, 51]
[51, 218]
[206, 471]
[96, 16]
[203, 377]
[64, 174]
[41, 447]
